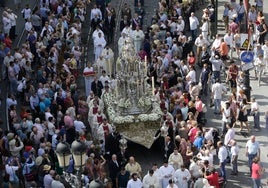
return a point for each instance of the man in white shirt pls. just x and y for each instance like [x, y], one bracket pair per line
[150, 180]
[205, 28]
[199, 43]
[166, 172]
[182, 176]
[230, 134]
[252, 150]
[217, 91]
[194, 23]
[134, 182]
[265, 56]
[234, 157]
[255, 112]
[180, 25]
[222, 155]
[228, 38]
[79, 125]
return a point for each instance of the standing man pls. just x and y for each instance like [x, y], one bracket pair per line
[99, 44]
[194, 23]
[109, 25]
[133, 167]
[234, 156]
[252, 150]
[166, 173]
[222, 155]
[13, 18]
[255, 112]
[265, 56]
[114, 169]
[216, 67]
[88, 74]
[182, 176]
[122, 178]
[108, 55]
[200, 42]
[217, 92]
[204, 79]
[150, 180]
[138, 37]
[134, 182]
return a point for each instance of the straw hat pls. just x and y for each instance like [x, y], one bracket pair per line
[46, 167]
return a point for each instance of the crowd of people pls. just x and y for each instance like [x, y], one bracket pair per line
[175, 46]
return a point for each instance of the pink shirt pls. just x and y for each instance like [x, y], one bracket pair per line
[198, 105]
[255, 171]
[193, 132]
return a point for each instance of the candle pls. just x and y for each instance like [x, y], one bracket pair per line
[152, 85]
[138, 88]
[116, 89]
[145, 68]
[145, 59]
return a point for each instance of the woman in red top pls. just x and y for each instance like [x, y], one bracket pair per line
[213, 178]
[191, 58]
[257, 171]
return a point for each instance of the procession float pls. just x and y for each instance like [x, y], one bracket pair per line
[132, 107]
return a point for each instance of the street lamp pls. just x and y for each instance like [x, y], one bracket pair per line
[78, 152]
[63, 154]
[78, 149]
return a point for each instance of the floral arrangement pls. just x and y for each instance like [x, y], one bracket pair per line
[154, 117]
[143, 117]
[114, 117]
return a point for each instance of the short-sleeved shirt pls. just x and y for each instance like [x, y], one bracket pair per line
[255, 171]
[252, 147]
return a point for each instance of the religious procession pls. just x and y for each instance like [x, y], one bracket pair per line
[124, 94]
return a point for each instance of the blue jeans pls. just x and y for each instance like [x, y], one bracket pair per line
[222, 169]
[194, 34]
[256, 183]
[250, 158]
[217, 104]
[216, 75]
